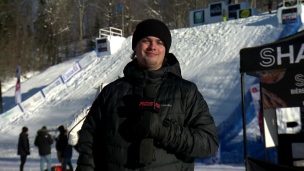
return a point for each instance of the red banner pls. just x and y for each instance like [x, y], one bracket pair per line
[18, 85]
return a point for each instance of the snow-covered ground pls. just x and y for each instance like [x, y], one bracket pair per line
[208, 55]
[33, 165]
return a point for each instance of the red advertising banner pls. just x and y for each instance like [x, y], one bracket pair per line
[282, 88]
[17, 87]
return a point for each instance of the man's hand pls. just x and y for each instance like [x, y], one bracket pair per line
[150, 126]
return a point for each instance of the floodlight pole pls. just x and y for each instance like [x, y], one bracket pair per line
[1, 108]
[122, 20]
[244, 119]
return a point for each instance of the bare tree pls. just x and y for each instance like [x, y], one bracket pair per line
[52, 21]
[81, 6]
[38, 34]
[6, 27]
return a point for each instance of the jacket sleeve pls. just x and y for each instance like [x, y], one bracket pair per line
[28, 146]
[24, 144]
[198, 136]
[75, 126]
[86, 139]
[36, 141]
[73, 135]
[50, 139]
[60, 142]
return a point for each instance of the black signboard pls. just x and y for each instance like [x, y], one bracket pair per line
[232, 15]
[102, 45]
[234, 7]
[289, 14]
[232, 10]
[282, 88]
[199, 17]
[216, 9]
[287, 52]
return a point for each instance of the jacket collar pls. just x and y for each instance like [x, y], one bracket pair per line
[141, 77]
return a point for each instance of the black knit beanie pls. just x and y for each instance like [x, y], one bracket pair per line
[61, 129]
[24, 129]
[152, 27]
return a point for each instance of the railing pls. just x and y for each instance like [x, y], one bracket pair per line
[104, 32]
[287, 3]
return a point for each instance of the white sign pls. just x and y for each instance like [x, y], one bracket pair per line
[32, 102]
[270, 128]
[85, 61]
[12, 114]
[52, 87]
[71, 72]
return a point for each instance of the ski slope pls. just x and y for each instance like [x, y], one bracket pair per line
[208, 55]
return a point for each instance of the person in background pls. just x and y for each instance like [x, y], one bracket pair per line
[67, 154]
[269, 6]
[150, 119]
[60, 142]
[44, 141]
[23, 146]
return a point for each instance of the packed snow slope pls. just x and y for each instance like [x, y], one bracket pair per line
[208, 55]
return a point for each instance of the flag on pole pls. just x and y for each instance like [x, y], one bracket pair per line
[18, 90]
[119, 6]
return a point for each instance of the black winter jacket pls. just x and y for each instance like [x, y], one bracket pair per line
[68, 152]
[66, 148]
[61, 142]
[106, 141]
[43, 141]
[23, 144]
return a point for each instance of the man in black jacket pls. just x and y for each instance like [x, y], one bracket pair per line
[60, 142]
[44, 141]
[151, 119]
[23, 146]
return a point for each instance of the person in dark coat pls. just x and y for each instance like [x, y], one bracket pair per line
[60, 142]
[151, 119]
[44, 141]
[67, 154]
[23, 146]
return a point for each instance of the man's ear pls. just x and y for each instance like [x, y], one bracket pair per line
[133, 55]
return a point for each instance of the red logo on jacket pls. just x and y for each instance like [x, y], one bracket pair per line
[149, 104]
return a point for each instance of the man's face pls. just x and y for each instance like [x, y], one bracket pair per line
[150, 52]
